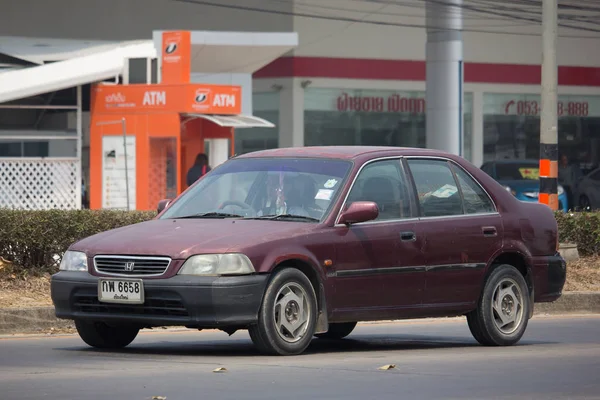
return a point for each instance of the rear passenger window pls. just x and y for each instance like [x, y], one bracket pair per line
[475, 200]
[383, 183]
[436, 188]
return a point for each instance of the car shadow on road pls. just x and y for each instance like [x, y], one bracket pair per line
[242, 347]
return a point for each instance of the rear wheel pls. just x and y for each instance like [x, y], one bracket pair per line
[288, 314]
[337, 331]
[103, 336]
[502, 313]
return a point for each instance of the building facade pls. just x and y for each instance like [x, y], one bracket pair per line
[358, 74]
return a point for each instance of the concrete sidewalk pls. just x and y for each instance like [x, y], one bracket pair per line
[42, 319]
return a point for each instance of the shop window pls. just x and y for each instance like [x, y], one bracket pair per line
[265, 105]
[511, 126]
[27, 148]
[371, 117]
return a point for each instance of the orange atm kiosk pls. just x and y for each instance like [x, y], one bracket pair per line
[144, 138]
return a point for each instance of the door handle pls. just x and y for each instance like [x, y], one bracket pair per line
[408, 236]
[489, 231]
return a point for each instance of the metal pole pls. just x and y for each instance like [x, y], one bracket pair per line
[444, 76]
[79, 145]
[126, 167]
[549, 118]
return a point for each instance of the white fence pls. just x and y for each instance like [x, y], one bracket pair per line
[40, 184]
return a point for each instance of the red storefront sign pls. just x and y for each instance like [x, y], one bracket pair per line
[534, 108]
[393, 103]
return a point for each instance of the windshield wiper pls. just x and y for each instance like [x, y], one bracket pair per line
[285, 216]
[211, 215]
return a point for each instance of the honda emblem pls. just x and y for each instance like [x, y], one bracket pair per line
[129, 266]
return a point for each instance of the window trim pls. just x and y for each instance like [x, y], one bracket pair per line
[456, 168]
[402, 170]
[454, 163]
[415, 205]
[449, 166]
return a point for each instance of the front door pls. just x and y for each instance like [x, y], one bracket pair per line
[462, 227]
[379, 267]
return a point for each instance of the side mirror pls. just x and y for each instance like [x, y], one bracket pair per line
[359, 211]
[162, 205]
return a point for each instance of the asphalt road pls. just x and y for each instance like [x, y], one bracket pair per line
[558, 358]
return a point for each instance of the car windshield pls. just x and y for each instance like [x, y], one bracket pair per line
[302, 189]
[517, 171]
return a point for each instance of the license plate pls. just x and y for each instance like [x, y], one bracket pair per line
[126, 291]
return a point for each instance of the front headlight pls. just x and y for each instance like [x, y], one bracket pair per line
[217, 264]
[560, 190]
[73, 261]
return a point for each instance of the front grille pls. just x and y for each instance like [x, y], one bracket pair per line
[161, 304]
[131, 266]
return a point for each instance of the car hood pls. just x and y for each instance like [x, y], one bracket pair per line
[181, 238]
[520, 186]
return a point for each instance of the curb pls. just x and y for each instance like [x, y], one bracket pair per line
[38, 319]
[571, 303]
[29, 320]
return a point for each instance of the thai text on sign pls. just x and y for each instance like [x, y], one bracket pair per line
[392, 103]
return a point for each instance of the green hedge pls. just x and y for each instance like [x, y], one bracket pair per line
[582, 228]
[32, 239]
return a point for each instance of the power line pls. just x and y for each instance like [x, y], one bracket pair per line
[370, 22]
[312, 7]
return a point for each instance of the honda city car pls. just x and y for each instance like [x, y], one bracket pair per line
[296, 243]
[521, 179]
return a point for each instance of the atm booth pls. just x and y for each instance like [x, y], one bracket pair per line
[145, 137]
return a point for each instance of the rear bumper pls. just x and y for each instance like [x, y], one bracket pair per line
[196, 302]
[551, 274]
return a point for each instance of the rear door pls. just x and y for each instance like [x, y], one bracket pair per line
[462, 227]
[380, 265]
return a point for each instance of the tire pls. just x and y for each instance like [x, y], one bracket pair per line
[505, 293]
[337, 331]
[271, 335]
[102, 336]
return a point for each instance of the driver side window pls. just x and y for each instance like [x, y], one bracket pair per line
[383, 183]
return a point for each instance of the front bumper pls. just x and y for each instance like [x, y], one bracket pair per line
[192, 301]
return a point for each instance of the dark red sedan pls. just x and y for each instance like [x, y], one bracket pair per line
[302, 242]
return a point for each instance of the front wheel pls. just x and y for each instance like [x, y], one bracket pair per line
[502, 313]
[103, 336]
[287, 317]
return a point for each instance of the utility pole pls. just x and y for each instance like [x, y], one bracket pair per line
[549, 118]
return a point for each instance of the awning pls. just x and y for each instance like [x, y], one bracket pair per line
[215, 52]
[32, 81]
[235, 121]
[42, 50]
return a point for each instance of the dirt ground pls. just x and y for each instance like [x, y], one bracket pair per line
[27, 291]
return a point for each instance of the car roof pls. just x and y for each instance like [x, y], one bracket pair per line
[342, 152]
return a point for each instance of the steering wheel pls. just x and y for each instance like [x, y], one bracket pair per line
[240, 204]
